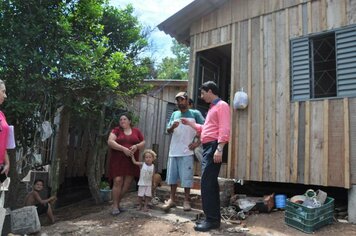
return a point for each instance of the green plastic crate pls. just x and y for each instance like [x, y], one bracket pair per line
[309, 219]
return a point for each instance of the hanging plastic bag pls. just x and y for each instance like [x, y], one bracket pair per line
[11, 138]
[46, 130]
[240, 100]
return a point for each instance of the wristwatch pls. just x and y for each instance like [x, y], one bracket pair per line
[220, 149]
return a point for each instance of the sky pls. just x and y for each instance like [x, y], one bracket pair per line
[152, 13]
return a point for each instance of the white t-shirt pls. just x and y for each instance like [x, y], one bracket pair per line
[146, 175]
[183, 135]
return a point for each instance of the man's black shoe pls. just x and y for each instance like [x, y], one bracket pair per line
[206, 226]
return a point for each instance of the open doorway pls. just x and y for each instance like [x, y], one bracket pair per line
[213, 64]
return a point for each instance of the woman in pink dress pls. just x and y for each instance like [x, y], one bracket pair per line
[4, 133]
[124, 141]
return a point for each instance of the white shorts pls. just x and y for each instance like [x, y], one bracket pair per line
[144, 191]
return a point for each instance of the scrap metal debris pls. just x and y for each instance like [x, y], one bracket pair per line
[231, 215]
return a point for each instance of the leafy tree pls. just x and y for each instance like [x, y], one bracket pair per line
[175, 68]
[150, 64]
[124, 31]
[182, 55]
[82, 55]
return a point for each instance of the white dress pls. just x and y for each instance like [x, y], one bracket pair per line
[145, 181]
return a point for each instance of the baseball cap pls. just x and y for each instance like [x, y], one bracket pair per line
[183, 95]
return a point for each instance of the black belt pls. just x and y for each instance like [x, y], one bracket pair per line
[210, 143]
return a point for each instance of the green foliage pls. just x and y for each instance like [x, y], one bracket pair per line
[182, 55]
[169, 70]
[124, 31]
[104, 185]
[82, 54]
[175, 68]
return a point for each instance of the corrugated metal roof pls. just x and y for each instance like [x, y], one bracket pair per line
[178, 25]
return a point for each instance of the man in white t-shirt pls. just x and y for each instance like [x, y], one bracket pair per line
[180, 165]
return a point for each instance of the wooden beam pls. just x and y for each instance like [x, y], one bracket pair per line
[261, 144]
[249, 91]
[322, 10]
[232, 153]
[309, 7]
[336, 162]
[273, 97]
[344, 16]
[192, 63]
[300, 19]
[347, 142]
[295, 143]
[307, 143]
[237, 73]
[288, 125]
[326, 143]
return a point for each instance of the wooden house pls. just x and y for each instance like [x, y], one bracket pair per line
[296, 59]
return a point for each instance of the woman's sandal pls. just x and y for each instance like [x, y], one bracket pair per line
[122, 209]
[115, 212]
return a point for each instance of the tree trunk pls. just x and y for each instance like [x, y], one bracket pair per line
[60, 147]
[94, 160]
[14, 198]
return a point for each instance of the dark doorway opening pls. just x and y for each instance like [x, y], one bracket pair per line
[73, 190]
[213, 65]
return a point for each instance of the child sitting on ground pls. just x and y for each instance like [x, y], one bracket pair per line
[146, 174]
[34, 199]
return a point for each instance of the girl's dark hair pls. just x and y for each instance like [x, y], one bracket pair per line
[210, 85]
[38, 180]
[127, 114]
[129, 117]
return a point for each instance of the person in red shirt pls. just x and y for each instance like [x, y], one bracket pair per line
[215, 133]
[4, 133]
[124, 141]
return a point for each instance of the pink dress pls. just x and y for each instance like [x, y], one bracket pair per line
[119, 163]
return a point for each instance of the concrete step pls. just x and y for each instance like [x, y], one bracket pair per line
[163, 193]
[226, 191]
[177, 213]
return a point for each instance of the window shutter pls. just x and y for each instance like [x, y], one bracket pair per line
[171, 107]
[346, 61]
[300, 69]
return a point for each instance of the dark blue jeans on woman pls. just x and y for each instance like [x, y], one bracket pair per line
[209, 183]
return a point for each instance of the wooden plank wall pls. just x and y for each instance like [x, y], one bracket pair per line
[152, 111]
[243, 117]
[240, 10]
[256, 88]
[275, 139]
[282, 122]
[79, 149]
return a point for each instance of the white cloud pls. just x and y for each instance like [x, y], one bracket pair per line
[151, 13]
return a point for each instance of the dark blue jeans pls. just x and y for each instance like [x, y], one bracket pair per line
[210, 192]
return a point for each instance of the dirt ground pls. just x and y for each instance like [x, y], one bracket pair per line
[86, 218]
